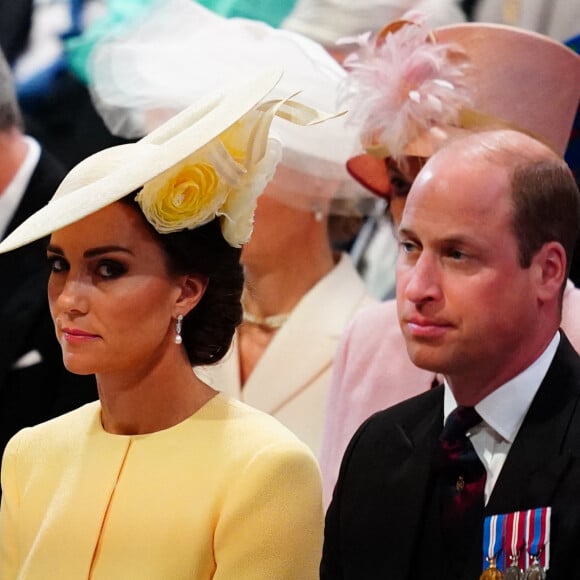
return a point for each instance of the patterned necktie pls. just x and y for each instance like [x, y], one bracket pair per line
[461, 473]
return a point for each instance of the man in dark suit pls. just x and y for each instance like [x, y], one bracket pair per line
[34, 385]
[485, 244]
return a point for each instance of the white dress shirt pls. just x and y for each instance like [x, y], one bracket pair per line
[503, 412]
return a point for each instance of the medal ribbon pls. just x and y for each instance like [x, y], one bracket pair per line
[515, 539]
[493, 533]
[538, 535]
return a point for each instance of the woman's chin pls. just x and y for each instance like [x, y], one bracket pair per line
[78, 367]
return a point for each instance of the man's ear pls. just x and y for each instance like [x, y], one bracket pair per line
[192, 290]
[550, 268]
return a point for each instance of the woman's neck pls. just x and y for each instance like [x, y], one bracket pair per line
[272, 294]
[151, 399]
[277, 290]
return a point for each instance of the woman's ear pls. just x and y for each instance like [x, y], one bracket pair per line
[192, 290]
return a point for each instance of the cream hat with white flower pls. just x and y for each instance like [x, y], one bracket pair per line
[211, 160]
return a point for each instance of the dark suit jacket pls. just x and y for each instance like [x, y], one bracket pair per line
[15, 25]
[376, 516]
[36, 392]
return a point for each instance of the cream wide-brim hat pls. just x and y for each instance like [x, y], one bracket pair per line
[518, 79]
[111, 174]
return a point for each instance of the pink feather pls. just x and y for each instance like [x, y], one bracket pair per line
[398, 89]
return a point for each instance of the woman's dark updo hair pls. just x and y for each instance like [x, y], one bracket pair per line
[207, 331]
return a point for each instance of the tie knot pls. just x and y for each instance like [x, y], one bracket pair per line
[461, 420]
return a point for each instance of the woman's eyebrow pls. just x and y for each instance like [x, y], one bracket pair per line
[93, 252]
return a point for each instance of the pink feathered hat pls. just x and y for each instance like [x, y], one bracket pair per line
[411, 89]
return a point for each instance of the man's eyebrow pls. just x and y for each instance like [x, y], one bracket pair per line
[408, 232]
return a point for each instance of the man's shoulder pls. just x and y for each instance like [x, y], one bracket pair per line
[44, 181]
[47, 175]
[407, 415]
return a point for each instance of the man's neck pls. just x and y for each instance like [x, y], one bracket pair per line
[473, 386]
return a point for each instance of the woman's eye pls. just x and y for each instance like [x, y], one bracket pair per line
[57, 264]
[400, 186]
[110, 269]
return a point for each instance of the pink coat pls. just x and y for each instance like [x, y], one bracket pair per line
[372, 371]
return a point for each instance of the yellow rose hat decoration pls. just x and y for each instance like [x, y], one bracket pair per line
[211, 160]
[189, 197]
[223, 180]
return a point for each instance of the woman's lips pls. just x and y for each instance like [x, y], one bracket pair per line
[77, 335]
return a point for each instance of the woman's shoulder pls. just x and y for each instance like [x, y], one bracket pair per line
[67, 427]
[241, 422]
[257, 452]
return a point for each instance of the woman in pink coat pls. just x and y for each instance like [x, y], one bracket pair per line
[434, 85]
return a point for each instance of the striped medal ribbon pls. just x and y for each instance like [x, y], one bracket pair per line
[493, 532]
[514, 542]
[538, 543]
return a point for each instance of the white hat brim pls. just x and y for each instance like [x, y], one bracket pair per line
[111, 174]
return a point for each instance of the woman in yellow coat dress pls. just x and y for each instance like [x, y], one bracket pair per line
[163, 477]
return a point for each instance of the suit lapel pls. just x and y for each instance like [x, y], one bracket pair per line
[291, 362]
[410, 482]
[23, 286]
[541, 454]
[304, 347]
[21, 311]
[43, 183]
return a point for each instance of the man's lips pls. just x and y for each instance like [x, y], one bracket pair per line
[426, 328]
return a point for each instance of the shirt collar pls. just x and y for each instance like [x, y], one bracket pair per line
[12, 195]
[505, 408]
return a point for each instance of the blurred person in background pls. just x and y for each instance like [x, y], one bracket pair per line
[572, 158]
[336, 24]
[15, 24]
[34, 384]
[56, 106]
[556, 18]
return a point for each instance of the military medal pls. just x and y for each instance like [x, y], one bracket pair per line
[493, 528]
[514, 541]
[492, 573]
[538, 543]
[535, 571]
[513, 572]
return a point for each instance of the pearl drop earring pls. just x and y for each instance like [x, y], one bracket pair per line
[317, 212]
[178, 339]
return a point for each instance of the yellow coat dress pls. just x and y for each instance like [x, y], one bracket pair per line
[227, 494]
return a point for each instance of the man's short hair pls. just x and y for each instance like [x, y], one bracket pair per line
[545, 196]
[546, 208]
[10, 115]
